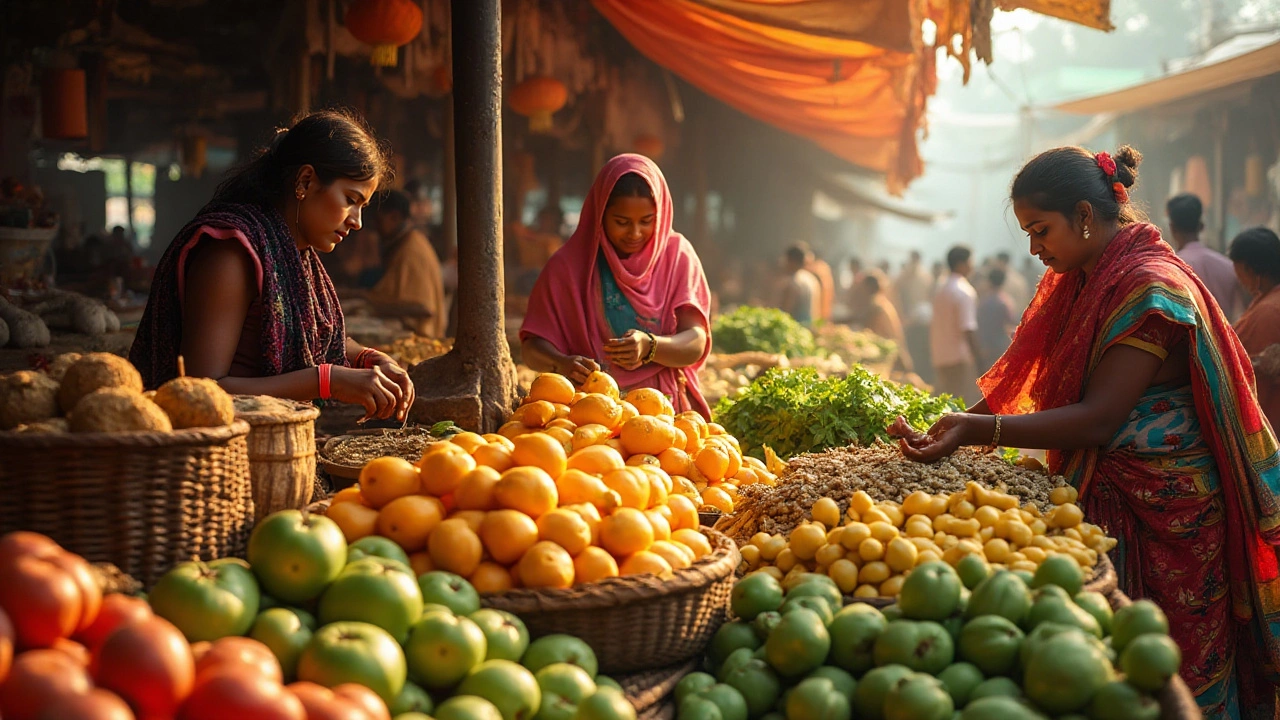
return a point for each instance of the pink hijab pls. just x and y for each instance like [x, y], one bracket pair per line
[566, 307]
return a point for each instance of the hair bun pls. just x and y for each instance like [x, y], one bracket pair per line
[1127, 161]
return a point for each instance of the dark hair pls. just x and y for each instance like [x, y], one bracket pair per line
[875, 280]
[797, 253]
[630, 185]
[855, 263]
[1186, 212]
[1003, 257]
[914, 255]
[1259, 250]
[337, 143]
[958, 255]
[1058, 180]
[393, 201]
[996, 277]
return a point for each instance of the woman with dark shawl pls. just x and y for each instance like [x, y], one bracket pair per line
[241, 294]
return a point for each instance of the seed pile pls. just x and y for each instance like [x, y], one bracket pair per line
[357, 450]
[881, 471]
[417, 348]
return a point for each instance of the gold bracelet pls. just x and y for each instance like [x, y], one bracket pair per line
[653, 348]
[995, 440]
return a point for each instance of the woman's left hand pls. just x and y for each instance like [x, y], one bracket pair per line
[944, 438]
[629, 351]
[399, 376]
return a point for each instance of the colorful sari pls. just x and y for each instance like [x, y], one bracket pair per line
[1191, 484]
[588, 294]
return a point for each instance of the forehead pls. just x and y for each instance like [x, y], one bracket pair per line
[1028, 213]
[632, 206]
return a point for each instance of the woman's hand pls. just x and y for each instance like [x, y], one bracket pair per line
[576, 368]
[398, 375]
[944, 438]
[629, 351]
[378, 394]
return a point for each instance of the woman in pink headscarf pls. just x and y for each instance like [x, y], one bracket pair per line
[626, 293]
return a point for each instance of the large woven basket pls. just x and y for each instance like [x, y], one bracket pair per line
[141, 501]
[638, 622]
[282, 457]
[647, 689]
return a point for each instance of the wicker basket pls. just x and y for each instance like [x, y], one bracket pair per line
[141, 501]
[282, 457]
[636, 622]
[646, 690]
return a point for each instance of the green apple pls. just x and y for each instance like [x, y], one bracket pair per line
[296, 555]
[507, 635]
[207, 601]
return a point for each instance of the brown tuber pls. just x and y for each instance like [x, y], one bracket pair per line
[95, 371]
[26, 397]
[195, 402]
[117, 409]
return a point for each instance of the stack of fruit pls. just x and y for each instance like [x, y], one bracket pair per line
[608, 488]
[1008, 650]
[874, 547]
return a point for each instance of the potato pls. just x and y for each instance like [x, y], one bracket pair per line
[27, 397]
[25, 329]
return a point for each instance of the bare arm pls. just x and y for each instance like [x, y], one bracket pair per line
[682, 349]
[540, 355]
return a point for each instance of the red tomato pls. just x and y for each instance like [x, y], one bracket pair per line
[322, 703]
[6, 645]
[238, 652]
[78, 652]
[96, 704]
[17, 544]
[242, 695]
[90, 593]
[42, 600]
[37, 678]
[116, 610]
[365, 698]
[149, 664]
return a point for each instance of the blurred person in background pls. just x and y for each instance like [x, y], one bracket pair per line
[1255, 254]
[953, 330]
[1185, 224]
[996, 316]
[914, 285]
[878, 315]
[826, 279]
[411, 287]
[1014, 283]
[801, 294]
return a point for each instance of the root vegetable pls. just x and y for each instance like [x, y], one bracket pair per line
[26, 330]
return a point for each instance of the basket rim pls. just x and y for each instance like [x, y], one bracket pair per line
[117, 440]
[615, 591]
[302, 412]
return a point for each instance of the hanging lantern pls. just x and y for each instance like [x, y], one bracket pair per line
[64, 105]
[195, 154]
[649, 145]
[1253, 175]
[537, 98]
[384, 24]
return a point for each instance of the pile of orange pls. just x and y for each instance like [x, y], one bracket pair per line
[579, 485]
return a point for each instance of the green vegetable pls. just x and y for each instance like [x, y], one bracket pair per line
[767, 330]
[795, 411]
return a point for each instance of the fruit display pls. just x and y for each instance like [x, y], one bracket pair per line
[796, 410]
[872, 548]
[999, 646]
[101, 392]
[578, 486]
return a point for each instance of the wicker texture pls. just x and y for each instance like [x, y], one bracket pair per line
[282, 457]
[637, 622]
[141, 501]
[649, 688]
[662, 711]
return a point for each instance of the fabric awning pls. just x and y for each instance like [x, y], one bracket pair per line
[1090, 13]
[1241, 59]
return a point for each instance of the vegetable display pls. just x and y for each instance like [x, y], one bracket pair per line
[761, 329]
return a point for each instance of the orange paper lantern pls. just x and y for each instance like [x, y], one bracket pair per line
[384, 24]
[537, 98]
[64, 105]
[650, 146]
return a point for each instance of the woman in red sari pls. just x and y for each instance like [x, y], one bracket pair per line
[1125, 369]
[626, 292]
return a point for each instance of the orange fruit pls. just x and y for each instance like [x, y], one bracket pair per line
[596, 459]
[588, 435]
[473, 518]
[507, 534]
[602, 383]
[551, 387]
[513, 429]
[540, 450]
[616, 444]
[594, 565]
[628, 410]
[716, 429]
[535, 414]
[577, 486]
[683, 486]
[718, 499]
[468, 441]
[712, 461]
[632, 486]
[475, 492]
[746, 476]
[591, 514]
[348, 494]
[455, 547]
[409, 520]
[647, 400]
[661, 527]
[658, 486]
[562, 436]
[442, 469]
[546, 564]
[562, 411]
[596, 409]
[645, 562]
[626, 531]
[421, 563]
[684, 513]
[676, 557]
[646, 435]
[565, 528]
[642, 460]
[354, 519]
[386, 478]
[678, 439]
[664, 511]
[490, 577]
[563, 424]
[494, 456]
[527, 489]
[694, 540]
[496, 439]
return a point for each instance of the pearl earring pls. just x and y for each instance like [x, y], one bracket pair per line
[1086, 233]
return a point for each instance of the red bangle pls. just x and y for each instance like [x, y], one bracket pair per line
[324, 371]
[361, 361]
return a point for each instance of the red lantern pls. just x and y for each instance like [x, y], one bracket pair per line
[650, 146]
[537, 98]
[64, 105]
[384, 24]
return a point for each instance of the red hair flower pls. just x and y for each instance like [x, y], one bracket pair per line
[1122, 195]
[1106, 163]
